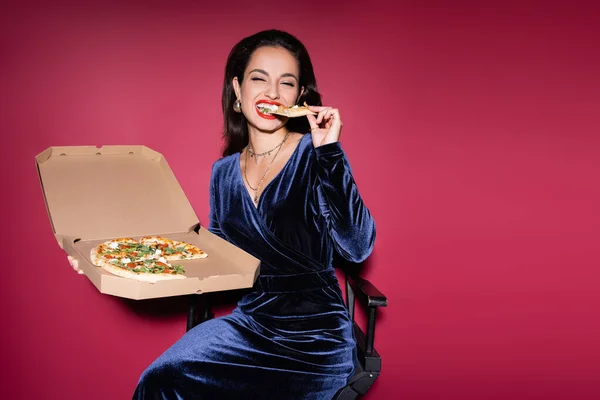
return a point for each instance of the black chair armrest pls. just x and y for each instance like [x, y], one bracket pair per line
[371, 298]
[366, 292]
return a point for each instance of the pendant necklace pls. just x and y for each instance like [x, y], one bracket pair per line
[256, 155]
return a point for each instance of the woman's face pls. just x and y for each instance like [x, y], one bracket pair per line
[271, 77]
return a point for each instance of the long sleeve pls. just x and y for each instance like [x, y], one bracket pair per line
[213, 224]
[349, 221]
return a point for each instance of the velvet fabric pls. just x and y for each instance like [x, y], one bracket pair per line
[290, 337]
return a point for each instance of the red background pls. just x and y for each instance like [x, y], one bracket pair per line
[473, 132]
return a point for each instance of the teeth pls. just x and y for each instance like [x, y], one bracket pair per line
[271, 107]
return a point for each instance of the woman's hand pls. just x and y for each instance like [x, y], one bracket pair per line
[326, 127]
[74, 264]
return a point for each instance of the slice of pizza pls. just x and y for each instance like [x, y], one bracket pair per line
[121, 248]
[152, 271]
[290, 112]
[173, 250]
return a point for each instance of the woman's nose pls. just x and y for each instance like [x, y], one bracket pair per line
[272, 92]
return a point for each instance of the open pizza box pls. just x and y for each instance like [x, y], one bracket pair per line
[97, 194]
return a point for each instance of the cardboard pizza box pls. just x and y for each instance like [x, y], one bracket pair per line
[96, 194]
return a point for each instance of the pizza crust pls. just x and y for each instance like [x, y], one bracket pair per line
[293, 112]
[95, 258]
[153, 240]
[143, 277]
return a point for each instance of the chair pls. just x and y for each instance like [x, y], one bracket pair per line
[368, 368]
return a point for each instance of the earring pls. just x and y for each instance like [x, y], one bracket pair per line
[237, 106]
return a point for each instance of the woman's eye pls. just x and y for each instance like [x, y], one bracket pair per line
[288, 84]
[256, 78]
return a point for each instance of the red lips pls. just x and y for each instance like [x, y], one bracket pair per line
[265, 116]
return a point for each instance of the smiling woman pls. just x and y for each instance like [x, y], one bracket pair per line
[292, 207]
[271, 79]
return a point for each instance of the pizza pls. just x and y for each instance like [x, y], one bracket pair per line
[290, 112]
[152, 270]
[148, 259]
[173, 249]
[120, 248]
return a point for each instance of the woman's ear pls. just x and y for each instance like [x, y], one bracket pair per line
[236, 88]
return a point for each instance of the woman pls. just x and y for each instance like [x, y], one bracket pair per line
[283, 192]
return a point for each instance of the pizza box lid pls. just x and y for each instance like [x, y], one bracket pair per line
[113, 191]
[93, 194]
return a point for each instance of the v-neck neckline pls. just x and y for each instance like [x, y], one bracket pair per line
[247, 194]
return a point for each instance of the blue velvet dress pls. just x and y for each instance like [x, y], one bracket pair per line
[291, 336]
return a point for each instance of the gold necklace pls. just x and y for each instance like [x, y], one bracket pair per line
[256, 190]
[268, 152]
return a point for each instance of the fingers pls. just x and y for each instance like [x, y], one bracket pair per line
[312, 121]
[321, 111]
[317, 108]
[75, 264]
[330, 116]
[326, 114]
